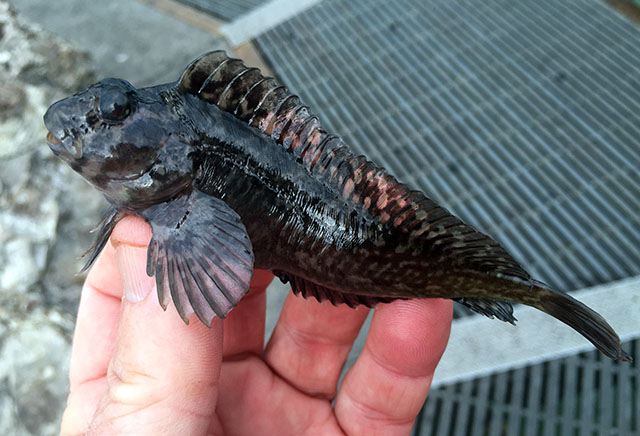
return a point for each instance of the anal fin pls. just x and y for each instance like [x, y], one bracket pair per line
[307, 289]
[490, 308]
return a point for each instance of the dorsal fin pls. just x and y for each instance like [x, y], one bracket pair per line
[242, 91]
[262, 103]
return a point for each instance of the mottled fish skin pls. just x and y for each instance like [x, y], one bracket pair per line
[330, 222]
[334, 218]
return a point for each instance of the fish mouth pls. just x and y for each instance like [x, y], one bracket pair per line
[67, 145]
[53, 139]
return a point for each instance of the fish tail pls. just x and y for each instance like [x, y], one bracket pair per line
[581, 318]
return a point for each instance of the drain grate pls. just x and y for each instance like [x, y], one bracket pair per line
[586, 394]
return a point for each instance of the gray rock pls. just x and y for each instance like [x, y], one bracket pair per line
[46, 210]
[38, 286]
[35, 69]
[35, 187]
[33, 376]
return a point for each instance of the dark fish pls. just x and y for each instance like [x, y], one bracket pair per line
[234, 173]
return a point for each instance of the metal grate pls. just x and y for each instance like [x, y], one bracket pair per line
[225, 9]
[586, 394]
[523, 118]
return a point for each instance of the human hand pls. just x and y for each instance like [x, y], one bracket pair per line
[136, 370]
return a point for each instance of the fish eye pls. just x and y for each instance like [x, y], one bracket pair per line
[115, 105]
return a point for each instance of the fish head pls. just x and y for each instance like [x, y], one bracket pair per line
[127, 142]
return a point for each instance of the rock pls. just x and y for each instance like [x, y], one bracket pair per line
[35, 69]
[42, 228]
[29, 54]
[46, 210]
[33, 376]
[12, 100]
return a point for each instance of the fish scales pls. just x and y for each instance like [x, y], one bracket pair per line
[233, 173]
[380, 195]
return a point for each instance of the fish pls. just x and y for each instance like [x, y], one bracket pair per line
[233, 172]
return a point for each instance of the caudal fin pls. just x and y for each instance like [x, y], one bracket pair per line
[585, 321]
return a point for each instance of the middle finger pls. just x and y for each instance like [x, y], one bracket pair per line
[310, 343]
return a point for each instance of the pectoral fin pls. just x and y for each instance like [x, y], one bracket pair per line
[200, 254]
[103, 230]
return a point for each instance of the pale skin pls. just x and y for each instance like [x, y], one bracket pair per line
[136, 369]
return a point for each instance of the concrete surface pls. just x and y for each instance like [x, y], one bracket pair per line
[263, 18]
[128, 39]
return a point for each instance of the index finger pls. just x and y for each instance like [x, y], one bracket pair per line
[100, 303]
[94, 340]
[97, 320]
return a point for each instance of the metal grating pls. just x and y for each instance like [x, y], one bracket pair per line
[586, 394]
[523, 118]
[225, 9]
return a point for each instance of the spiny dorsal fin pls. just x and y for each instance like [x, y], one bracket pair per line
[262, 103]
[242, 91]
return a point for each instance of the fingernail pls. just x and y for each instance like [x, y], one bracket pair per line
[132, 262]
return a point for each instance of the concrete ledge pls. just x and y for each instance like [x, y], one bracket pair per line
[262, 19]
[480, 346]
[188, 14]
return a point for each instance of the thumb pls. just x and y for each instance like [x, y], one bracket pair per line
[163, 377]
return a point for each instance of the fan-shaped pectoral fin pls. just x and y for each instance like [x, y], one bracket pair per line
[200, 255]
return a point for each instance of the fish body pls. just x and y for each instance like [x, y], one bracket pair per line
[234, 173]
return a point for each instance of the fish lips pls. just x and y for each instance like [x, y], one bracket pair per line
[59, 140]
[67, 147]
